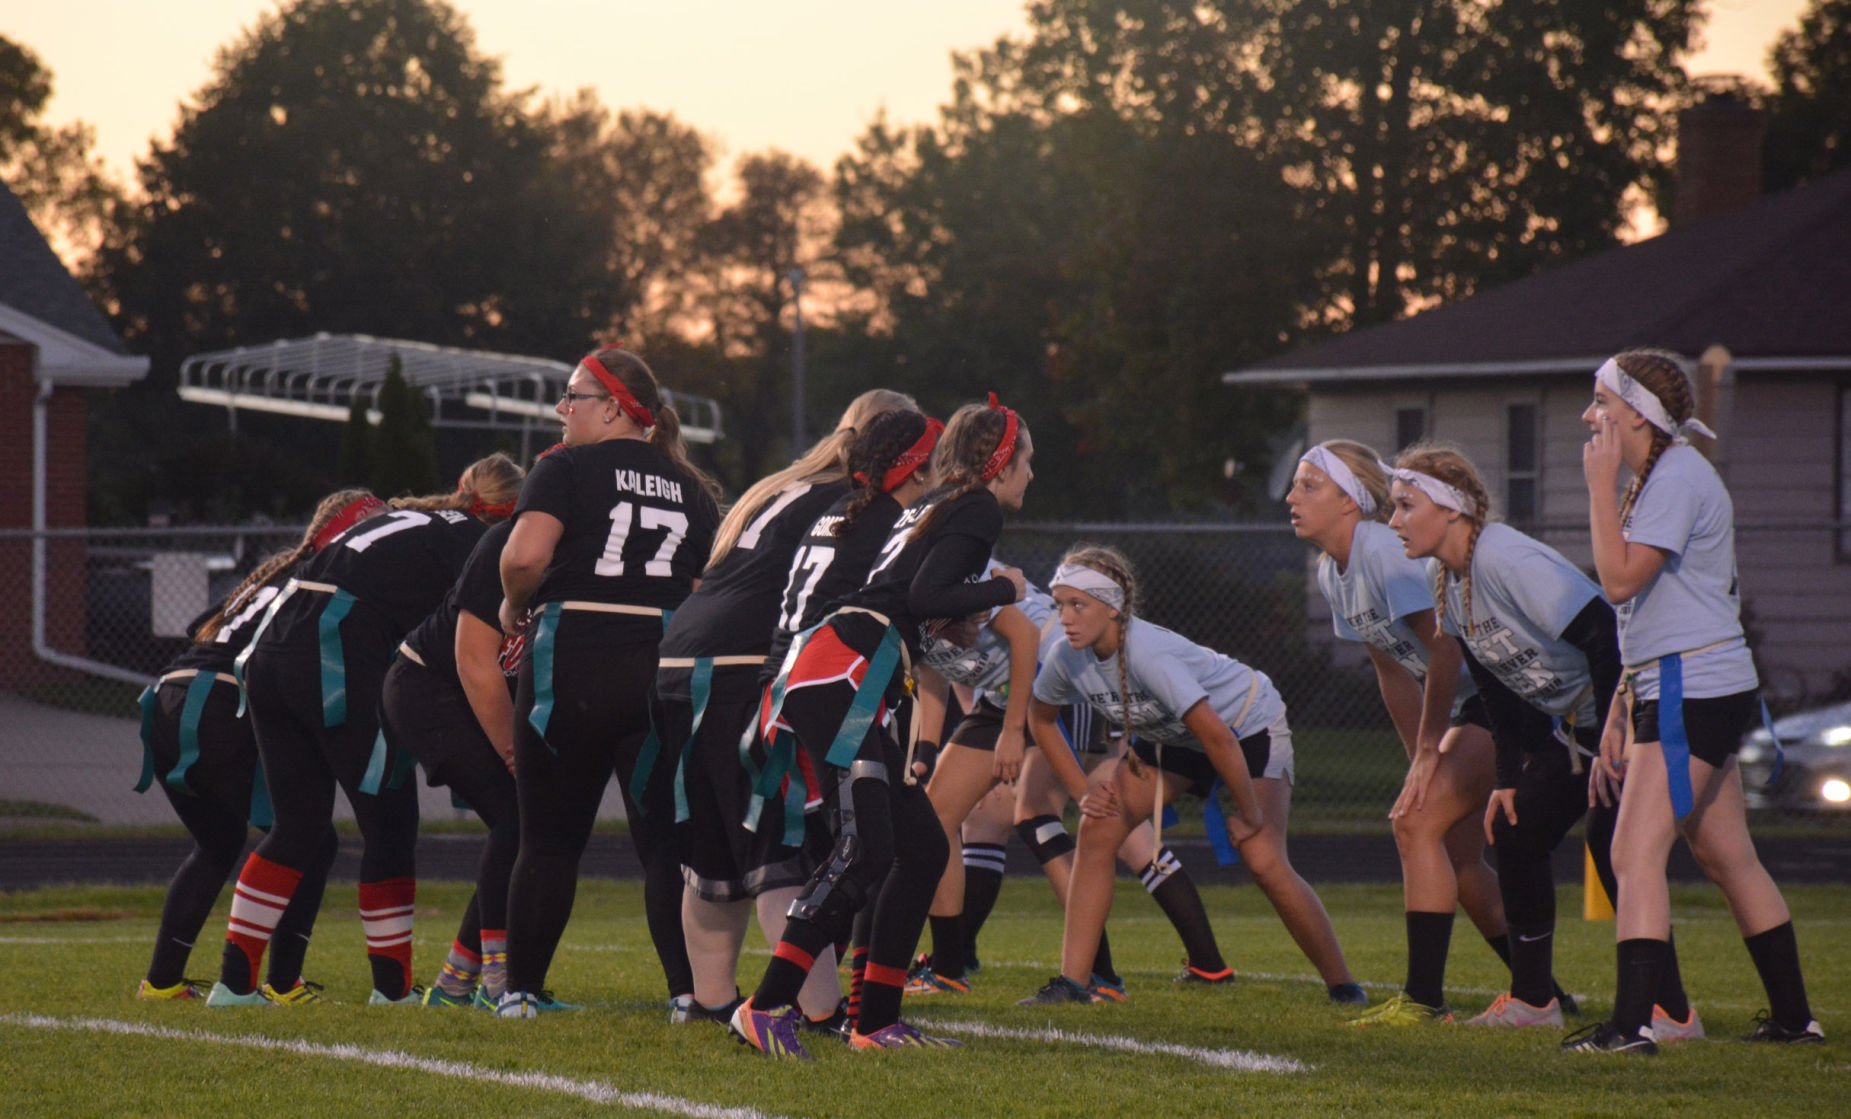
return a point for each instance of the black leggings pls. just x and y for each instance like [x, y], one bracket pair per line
[428, 715]
[304, 761]
[598, 724]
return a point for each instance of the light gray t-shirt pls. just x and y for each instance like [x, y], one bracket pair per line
[1524, 594]
[985, 665]
[1167, 675]
[1372, 598]
[1693, 601]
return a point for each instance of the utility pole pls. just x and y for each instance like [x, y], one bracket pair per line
[798, 442]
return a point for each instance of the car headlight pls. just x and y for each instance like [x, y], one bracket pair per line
[1836, 736]
[1835, 790]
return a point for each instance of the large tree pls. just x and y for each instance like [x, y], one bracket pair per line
[1809, 133]
[52, 169]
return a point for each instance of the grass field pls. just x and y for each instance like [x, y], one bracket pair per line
[74, 1041]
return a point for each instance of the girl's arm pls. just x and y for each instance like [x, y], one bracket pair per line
[1054, 748]
[1024, 640]
[1223, 750]
[523, 561]
[1624, 567]
[477, 644]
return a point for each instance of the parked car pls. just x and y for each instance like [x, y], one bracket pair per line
[1816, 776]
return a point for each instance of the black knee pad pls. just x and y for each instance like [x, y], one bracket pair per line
[1046, 837]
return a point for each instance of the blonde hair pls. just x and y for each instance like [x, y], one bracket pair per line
[825, 462]
[282, 561]
[495, 480]
[1367, 466]
[1661, 373]
[1112, 563]
[1449, 464]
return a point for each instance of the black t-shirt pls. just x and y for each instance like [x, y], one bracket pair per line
[826, 567]
[397, 565]
[235, 632]
[637, 529]
[736, 608]
[921, 579]
[477, 591]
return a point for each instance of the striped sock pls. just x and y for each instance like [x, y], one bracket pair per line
[385, 914]
[460, 970]
[263, 892]
[494, 962]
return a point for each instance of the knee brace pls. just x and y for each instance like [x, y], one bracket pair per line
[1046, 837]
[845, 881]
[1158, 872]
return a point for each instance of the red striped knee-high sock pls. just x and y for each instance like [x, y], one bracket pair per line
[385, 913]
[263, 892]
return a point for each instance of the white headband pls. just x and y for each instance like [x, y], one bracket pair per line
[1096, 583]
[1645, 402]
[1345, 478]
[1437, 491]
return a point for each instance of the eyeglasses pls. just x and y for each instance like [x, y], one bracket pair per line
[570, 397]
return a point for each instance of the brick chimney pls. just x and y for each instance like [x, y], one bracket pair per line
[1718, 156]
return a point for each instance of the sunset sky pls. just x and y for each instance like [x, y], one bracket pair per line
[805, 76]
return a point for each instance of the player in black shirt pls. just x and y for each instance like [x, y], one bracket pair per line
[312, 678]
[711, 660]
[201, 751]
[447, 702]
[609, 536]
[834, 698]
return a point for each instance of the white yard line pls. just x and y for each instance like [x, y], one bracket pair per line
[1237, 1060]
[591, 1091]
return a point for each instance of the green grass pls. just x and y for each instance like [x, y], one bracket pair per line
[66, 969]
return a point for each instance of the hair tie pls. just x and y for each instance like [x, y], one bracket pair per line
[1440, 493]
[482, 510]
[1092, 581]
[1005, 447]
[626, 400]
[1645, 402]
[345, 518]
[1342, 476]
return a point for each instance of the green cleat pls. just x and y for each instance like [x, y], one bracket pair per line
[1403, 1011]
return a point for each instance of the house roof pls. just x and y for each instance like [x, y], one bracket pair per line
[1771, 280]
[35, 282]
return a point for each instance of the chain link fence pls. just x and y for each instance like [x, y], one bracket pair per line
[112, 608]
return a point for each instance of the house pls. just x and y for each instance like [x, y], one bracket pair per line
[1761, 290]
[54, 347]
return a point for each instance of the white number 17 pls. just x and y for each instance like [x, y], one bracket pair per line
[622, 514]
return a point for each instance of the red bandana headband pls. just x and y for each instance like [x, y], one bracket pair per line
[345, 518]
[480, 509]
[910, 459]
[626, 399]
[1005, 448]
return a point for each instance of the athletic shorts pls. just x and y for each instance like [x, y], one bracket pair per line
[1268, 754]
[720, 860]
[1471, 713]
[1084, 731]
[1714, 725]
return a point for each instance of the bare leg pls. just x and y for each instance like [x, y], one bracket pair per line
[1292, 897]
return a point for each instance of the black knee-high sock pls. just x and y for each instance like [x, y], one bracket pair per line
[1501, 945]
[1641, 963]
[983, 881]
[1429, 938]
[1102, 960]
[1528, 889]
[1671, 996]
[1175, 893]
[948, 946]
[1777, 957]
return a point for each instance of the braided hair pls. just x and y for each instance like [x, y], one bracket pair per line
[487, 489]
[887, 437]
[1661, 373]
[268, 570]
[1367, 466]
[826, 462]
[1449, 464]
[1112, 563]
[969, 441]
[665, 436]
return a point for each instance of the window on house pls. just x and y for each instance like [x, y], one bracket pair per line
[1522, 463]
[1410, 427]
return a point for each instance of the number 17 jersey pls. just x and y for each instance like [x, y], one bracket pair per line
[637, 529]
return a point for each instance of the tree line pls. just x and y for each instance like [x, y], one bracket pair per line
[1108, 212]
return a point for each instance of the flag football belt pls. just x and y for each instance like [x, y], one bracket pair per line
[196, 692]
[781, 770]
[328, 629]
[700, 689]
[541, 651]
[1673, 736]
[1562, 728]
[1214, 817]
